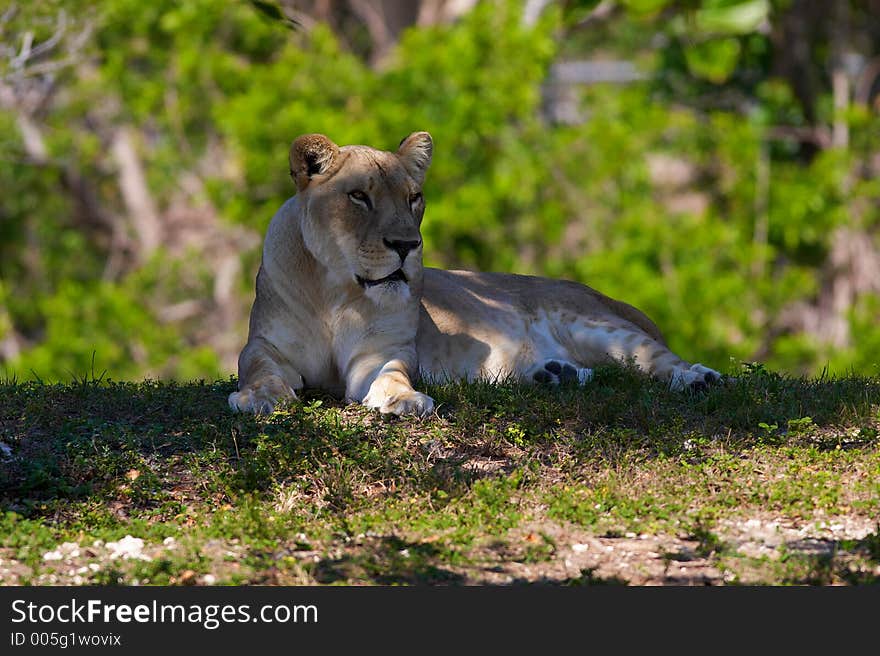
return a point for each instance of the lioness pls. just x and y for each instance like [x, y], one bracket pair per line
[344, 304]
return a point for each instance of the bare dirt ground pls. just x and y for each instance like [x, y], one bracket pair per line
[535, 553]
[646, 559]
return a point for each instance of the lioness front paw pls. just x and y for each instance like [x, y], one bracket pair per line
[262, 397]
[403, 403]
[697, 377]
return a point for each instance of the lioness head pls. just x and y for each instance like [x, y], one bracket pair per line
[361, 212]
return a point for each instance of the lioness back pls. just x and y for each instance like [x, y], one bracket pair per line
[495, 325]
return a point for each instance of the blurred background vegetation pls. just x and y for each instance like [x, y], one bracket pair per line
[713, 162]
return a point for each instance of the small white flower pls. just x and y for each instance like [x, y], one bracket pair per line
[69, 549]
[128, 548]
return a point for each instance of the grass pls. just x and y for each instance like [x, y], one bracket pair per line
[766, 480]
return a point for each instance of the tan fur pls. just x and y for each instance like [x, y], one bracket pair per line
[316, 322]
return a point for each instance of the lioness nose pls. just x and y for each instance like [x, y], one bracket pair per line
[402, 247]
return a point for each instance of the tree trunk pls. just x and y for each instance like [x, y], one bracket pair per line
[136, 194]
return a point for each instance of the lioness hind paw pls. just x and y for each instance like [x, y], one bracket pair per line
[558, 371]
[696, 378]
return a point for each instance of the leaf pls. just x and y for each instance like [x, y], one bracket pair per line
[273, 12]
[732, 18]
[268, 9]
[645, 6]
[713, 60]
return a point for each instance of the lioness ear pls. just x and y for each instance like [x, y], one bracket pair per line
[311, 154]
[415, 152]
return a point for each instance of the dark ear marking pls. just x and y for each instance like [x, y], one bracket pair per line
[313, 164]
[310, 155]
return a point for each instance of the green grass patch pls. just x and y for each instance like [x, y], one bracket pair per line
[320, 492]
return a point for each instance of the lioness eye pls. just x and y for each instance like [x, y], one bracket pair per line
[359, 197]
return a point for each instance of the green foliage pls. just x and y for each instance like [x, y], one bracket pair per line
[92, 329]
[219, 89]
